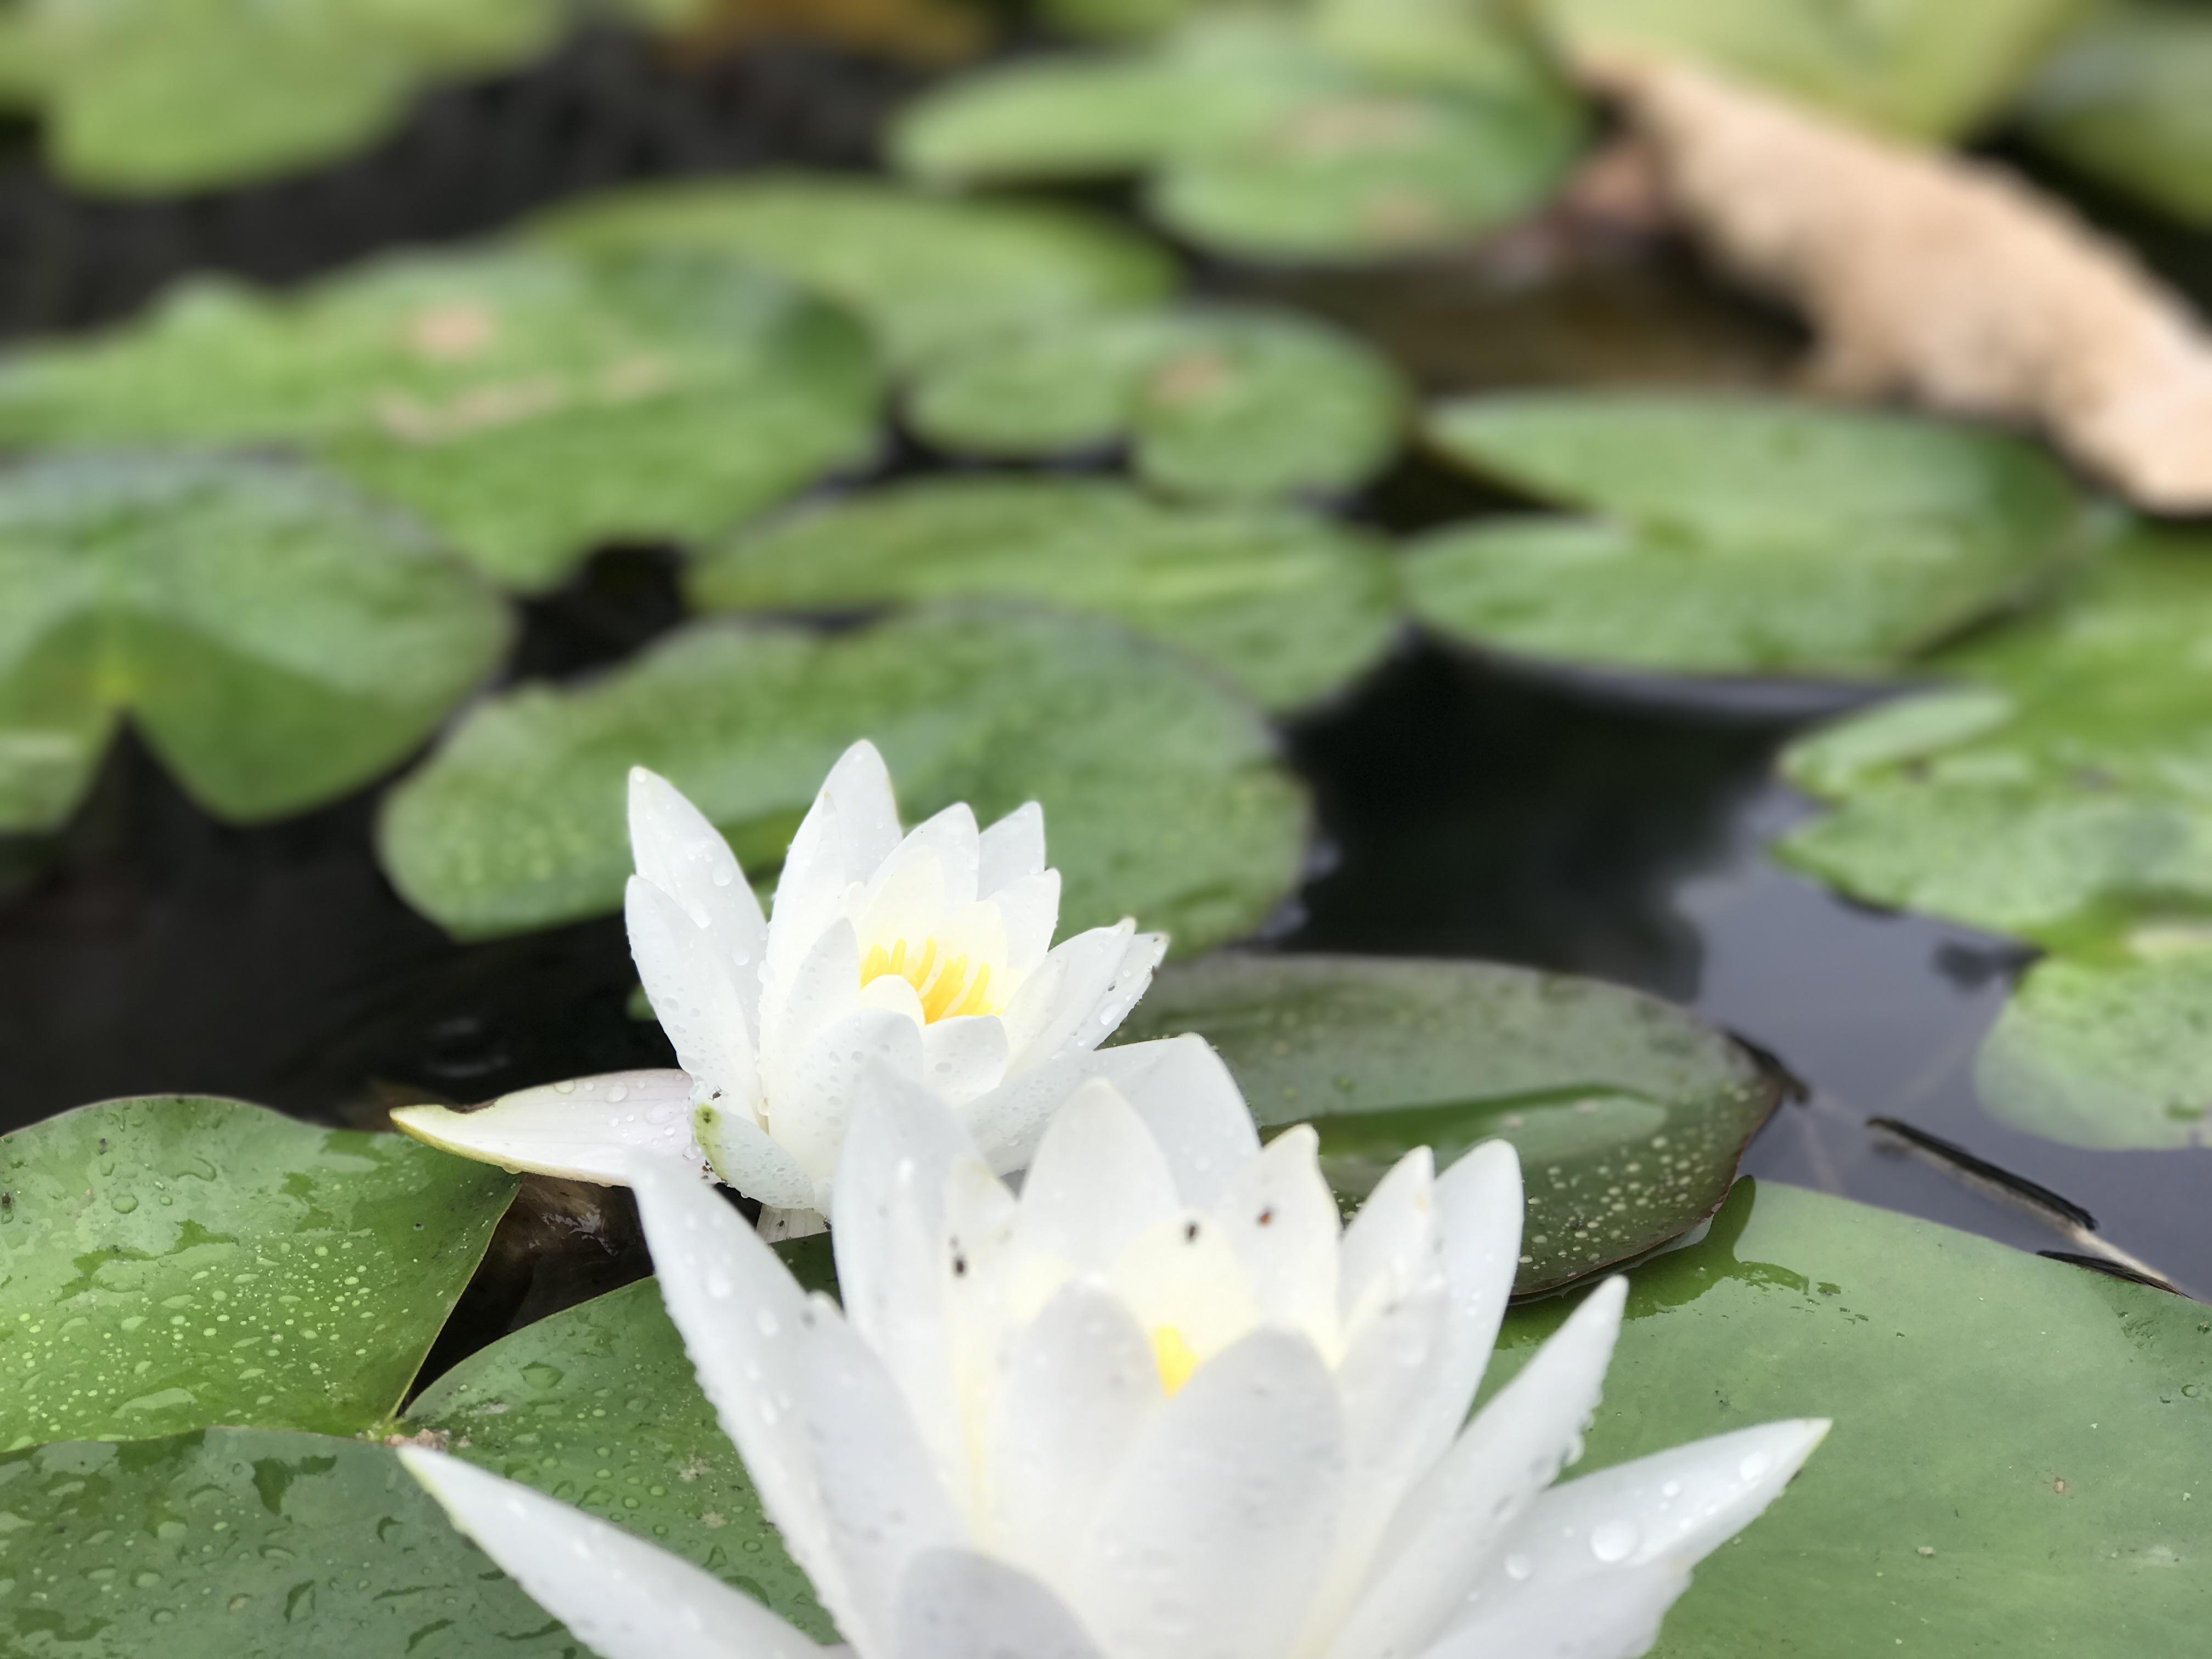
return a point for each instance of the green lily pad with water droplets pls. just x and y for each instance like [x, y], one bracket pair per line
[926, 271]
[2123, 101]
[1629, 1114]
[1290, 606]
[1736, 535]
[597, 1406]
[526, 404]
[276, 641]
[175, 1262]
[1904, 66]
[1221, 402]
[2017, 1464]
[1161, 796]
[1267, 138]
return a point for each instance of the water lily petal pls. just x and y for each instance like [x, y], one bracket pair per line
[588, 1129]
[813, 1091]
[957, 1604]
[1073, 1391]
[849, 830]
[1192, 1106]
[1615, 1617]
[1211, 1536]
[679, 852]
[964, 1058]
[625, 1598]
[829, 1442]
[821, 989]
[1080, 992]
[692, 994]
[1391, 1244]
[948, 844]
[1011, 849]
[1029, 910]
[1438, 1542]
[1278, 1214]
[742, 1156]
[1098, 1181]
[1479, 1206]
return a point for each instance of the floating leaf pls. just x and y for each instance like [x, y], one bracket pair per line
[1738, 535]
[1931, 72]
[277, 641]
[2125, 102]
[249, 1542]
[598, 1406]
[960, 267]
[1266, 138]
[1628, 1114]
[175, 1262]
[524, 403]
[2016, 1461]
[1160, 797]
[1223, 402]
[1293, 607]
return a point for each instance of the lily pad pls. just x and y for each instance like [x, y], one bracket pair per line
[1629, 1114]
[1928, 71]
[526, 404]
[278, 640]
[2123, 101]
[2017, 1461]
[175, 1262]
[1227, 402]
[1161, 797]
[1290, 606]
[1736, 535]
[960, 267]
[251, 1543]
[1261, 141]
[597, 1406]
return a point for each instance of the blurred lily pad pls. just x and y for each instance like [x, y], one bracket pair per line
[175, 1262]
[1929, 71]
[1161, 797]
[2016, 1460]
[1219, 402]
[153, 96]
[2125, 102]
[924, 271]
[1628, 1114]
[1291, 607]
[598, 1406]
[277, 641]
[1736, 535]
[1263, 139]
[249, 1542]
[524, 403]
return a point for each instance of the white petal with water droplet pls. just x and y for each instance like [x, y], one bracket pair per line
[588, 1130]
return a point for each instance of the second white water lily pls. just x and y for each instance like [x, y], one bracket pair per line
[1159, 1405]
[928, 955]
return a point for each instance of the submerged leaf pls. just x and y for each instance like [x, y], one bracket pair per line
[1290, 606]
[1628, 1114]
[277, 641]
[1158, 787]
[175, 1262]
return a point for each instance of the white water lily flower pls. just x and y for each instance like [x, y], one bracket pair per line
[929, 954]
[1159, 1405]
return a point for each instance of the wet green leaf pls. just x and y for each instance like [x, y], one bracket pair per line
[1629, 1114]
[526, 404]
[1222, 402]
[597, 1406]
[1161, 797]
[2017, 1461]
[276, 641]
[961, 269]
[1291, 607]
[2125, 102]
[1270, 138]
[1932, 71]
[248, 1544]
[175, 1262]
[1736, 535]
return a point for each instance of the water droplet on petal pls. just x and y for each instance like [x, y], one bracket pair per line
[1613, 1542]
[1518, 1567]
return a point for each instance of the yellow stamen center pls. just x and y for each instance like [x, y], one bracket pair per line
[947, 987]
[1175, 1358]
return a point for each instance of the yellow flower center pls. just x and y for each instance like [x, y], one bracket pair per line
[1175, 1358]
[946, 985]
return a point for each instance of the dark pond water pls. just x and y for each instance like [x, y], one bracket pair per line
[1467, 809]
